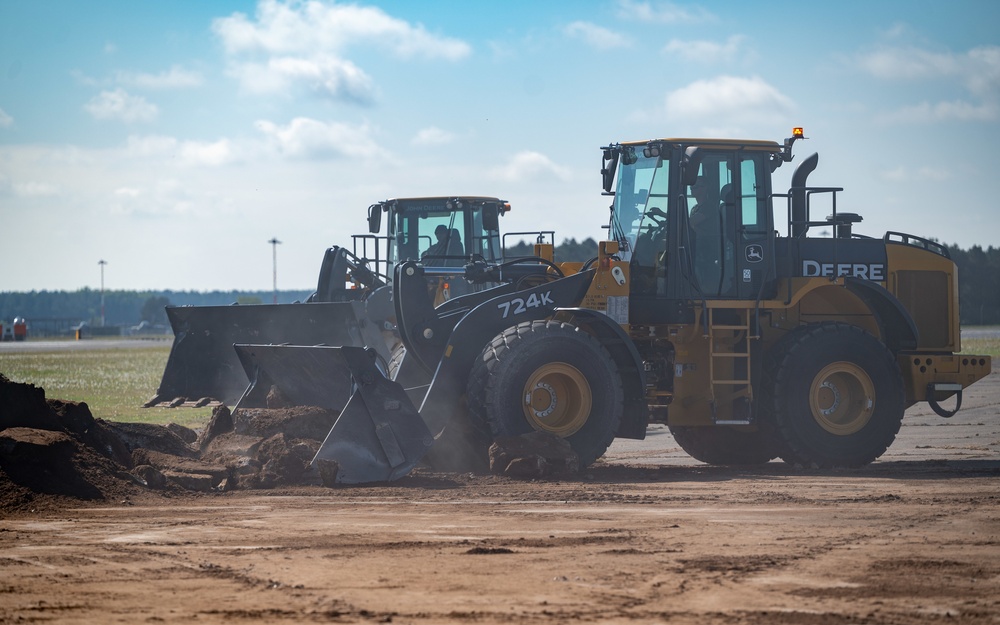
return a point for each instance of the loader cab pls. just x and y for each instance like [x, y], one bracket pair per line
[695, 222]
[444, 232]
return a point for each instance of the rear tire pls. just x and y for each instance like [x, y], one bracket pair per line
[549, 376]
[836, 395]
[724, 445]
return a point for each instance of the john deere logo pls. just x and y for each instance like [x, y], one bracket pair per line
[755, 253]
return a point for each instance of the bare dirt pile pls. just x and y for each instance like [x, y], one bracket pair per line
[51, 448]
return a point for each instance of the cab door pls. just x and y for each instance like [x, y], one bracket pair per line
[730, 225]
[754, 264]
[712, 225]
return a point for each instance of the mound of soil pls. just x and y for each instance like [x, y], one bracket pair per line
[50, 448]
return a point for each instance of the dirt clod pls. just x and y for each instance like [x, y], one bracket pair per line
[532, 456]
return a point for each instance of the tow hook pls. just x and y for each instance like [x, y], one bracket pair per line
[936, 407]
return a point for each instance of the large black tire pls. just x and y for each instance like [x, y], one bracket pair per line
[726, 445]
[835, 394]
[549, 376]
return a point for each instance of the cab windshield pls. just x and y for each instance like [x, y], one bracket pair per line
[441, 236]
[640, 203]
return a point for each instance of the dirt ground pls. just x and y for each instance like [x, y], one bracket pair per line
[646, 535]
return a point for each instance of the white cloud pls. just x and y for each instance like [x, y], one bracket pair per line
[184, 153]
[977, 71]
[175, 78]
[210, 154]
[119, 104]
[34, 189]
[302, 27]
[323, 75]
[311, 139]
[984, 75]
[84, 79]
[922, 174]
[150, 145]
[306, 43]
[159, 198]
[956, 110]
[662, 12]
[728, 99]
[529, 165]
[128, 192]
[6, 121]
[706, 51]
[596, 36]
[432, 135]
[302, 138]
[896, 174]
[908, 63]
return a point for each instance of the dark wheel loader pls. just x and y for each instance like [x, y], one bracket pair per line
[351, 304]
[748, 343]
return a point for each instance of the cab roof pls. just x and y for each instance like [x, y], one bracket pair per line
[443, 198]
[747, 144]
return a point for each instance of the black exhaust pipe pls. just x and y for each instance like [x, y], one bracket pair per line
[800, 211]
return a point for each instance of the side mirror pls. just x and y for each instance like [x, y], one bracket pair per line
[375, 218]
[491, 217]
[692, 162]
[608, 168]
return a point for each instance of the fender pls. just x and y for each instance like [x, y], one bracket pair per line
[901, 332]
[635, 419]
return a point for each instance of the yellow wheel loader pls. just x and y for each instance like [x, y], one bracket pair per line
[749, 343]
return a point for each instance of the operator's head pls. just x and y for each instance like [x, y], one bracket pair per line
[441, 232]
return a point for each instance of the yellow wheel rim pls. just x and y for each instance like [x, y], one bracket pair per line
[557, 399]
[842, 398]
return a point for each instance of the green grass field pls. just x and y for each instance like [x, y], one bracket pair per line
[116, 382]
[987, 346]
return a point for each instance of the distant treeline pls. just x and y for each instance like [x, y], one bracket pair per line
[978, 270]
[978, 284]
[567, 251]
[52, 311]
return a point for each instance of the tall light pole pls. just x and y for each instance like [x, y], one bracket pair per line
[274, 247]
[102, 262]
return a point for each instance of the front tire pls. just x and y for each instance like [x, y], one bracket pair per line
[836, 395]
[548, 376]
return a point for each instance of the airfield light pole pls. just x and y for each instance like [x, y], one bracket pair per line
[274, 257]
[102, 262]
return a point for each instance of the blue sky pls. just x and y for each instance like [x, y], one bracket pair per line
[174, 139]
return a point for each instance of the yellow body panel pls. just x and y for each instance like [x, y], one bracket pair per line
[921, 371]
[608, 291]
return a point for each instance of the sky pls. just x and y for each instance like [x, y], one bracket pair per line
[174, 140]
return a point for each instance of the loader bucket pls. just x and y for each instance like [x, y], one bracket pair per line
[379, 435]
[203, 368]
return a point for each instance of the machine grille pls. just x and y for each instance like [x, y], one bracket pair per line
[925, 295]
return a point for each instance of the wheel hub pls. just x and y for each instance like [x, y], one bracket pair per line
[543, 400]
[557, 399]
[842, 398]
